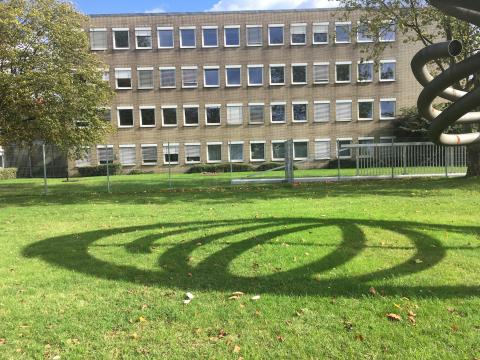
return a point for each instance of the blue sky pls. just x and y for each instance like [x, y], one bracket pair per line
[142, 6]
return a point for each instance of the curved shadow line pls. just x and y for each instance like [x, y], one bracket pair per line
[64, 251]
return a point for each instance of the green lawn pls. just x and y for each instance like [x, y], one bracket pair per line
[85, 274]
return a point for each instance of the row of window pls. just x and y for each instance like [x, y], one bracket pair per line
[255, 75]
[255, 113]
[232, 37]
[192, 152]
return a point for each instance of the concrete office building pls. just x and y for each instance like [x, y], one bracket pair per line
[233, 86]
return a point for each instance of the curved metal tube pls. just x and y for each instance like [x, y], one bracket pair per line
[441, 86]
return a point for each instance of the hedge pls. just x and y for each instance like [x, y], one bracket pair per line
[8, 173]
[100, 170]
[219, 168]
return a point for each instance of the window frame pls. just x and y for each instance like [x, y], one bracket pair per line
[214, 143]
[336, 72]
[147, 107]
[322, 63]
[141, 152]
[249, 113]
[166, 107]
[127, 146]
[261, 33]
[337, 143]
[323, 140]
[189, 68]
[303, 102]
[306, 73]
[93, 30]
[293, 25]
[145, 68]
[328, 33]
[278, 103]
[270, 66]
[100, 147]
[369, 62]
[230, 154]
[114, 30]
[264, 150]
[344, 101]
[381, 62]
[300, 141]
[126, 107]
[211, 67]
[191, 106]
[370, 40]
[209, 27]
[175, 76]
[340, 23]
[283, 34]
[200, 152]
[165, 28]
[391, 23]
[136, 38]
[117, 78]
[219, 106]
[329, 111]
[248, 74]
[271, 149]
[234, 105]
[168, 145]
[372, 101]
[225, 28]
[227, 67]
[394, 100]
[194, 28]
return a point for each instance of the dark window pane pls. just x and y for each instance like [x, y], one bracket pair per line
[298, 38]
[299, 74]
[148, 117]
[365, 72]
[343, 72]
[300, 149]
[257, 151]
[276, 35]
[124, 83]
[277, 75]
[365, 110]
[278, 150]
[166, 38]
[320, 37]
[170, 116]
[232, 37]
[278, 113]
[126, 117]
[210, 37]
[300, 112]
[191, 116]
[255, 75]
[187, 37]
[211, 77]
[233, 76]
[213, 115]
[121, 39]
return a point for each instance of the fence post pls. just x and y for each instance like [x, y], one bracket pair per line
[357, 159]
[338, 160]
[289, 161]
[108, 168]
[446, 156]
[404, 159]
[392, 159]
[45, 186]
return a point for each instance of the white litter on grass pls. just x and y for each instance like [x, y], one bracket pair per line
[188, 298]
[256, 297]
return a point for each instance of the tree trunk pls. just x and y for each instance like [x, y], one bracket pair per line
[473, 160]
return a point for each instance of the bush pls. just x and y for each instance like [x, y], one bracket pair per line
[218, 168]
[8, 173]
[269, 166]
[139, 172]
[344, 164]
[100, 170]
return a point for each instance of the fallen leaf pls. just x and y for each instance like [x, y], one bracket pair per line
[3, 341]
[397, 306]
[56, 357]
[134, 335]
[411, 313]
[280, 338]
[238, 293]
[234, 297]
[393, 317]
[372, 291]
[142, 319]
[418, 261]
[454, 327]
[144, 306]
[236, 349]
[359, 337]
[451, 309]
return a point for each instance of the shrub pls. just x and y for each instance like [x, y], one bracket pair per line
[344, 164]
[219, 168]
[100, 170]
[139, 172]
[8, 173]
[269, 166]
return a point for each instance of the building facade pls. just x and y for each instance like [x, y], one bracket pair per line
[232, 87]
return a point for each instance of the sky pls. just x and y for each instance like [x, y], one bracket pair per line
[145, 6]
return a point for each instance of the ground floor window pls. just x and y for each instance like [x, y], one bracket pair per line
[149, 154]
[170, 153]
[192, 153]
[278, 150]
[236, 152]
[105, 154]
[128, 155]
[214, 152]
[257, 151]
[300, 149]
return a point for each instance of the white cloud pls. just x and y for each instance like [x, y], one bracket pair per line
[155, 10]
[232, 5]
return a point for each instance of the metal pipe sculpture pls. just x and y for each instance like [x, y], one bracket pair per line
[460, 111]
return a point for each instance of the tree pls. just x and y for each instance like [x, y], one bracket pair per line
[51, 87]
[419, 22]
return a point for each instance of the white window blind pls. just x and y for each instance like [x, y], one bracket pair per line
[256, 113]
[320, 28]
[167, 78]
[254, 35]
[105, 154]
[234, 114]
[128, 155]
[321, 112]
[320, 73]
[298, 29]
[189, 77]
[172, 149]
[149, 154]
[85, 161]
[322, 149]
[344, 111]
[98, 39]
[192, 153]
[143, 32]
[145, 78]
[123, 73]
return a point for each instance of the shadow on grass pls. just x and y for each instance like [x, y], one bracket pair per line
[213, 273]
[153, 191]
